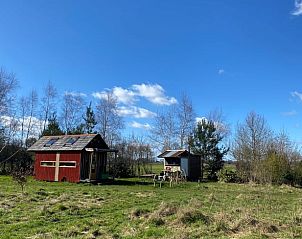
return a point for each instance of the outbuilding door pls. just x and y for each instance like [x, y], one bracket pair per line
[92, 166]
[184, 162]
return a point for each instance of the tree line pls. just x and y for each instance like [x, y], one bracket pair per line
[260, 155]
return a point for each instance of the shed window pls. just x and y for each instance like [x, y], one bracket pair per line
[173, 161]
[71, 141]
[71, 164]
[51, 142]
[47, 163]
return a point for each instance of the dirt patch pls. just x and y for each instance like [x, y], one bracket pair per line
[145, 195]
[191, 215]
[166, 209]
[138, 213]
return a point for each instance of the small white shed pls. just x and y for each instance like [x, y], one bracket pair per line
[183, 161]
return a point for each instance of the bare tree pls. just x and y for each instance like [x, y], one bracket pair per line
[217, 116]
[8, 84]
[72, 111]
[109, 121]
[250, 146]
[9, 129]
[134, 157]
[185, 120]
[164, 131]
[48, 103]
[173, 127]
[33, 101]
[23, 108]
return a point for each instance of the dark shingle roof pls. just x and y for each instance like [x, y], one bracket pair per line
[173, 153]
[65, 142]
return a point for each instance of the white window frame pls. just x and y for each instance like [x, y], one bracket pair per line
[50, 166]
[75, 164]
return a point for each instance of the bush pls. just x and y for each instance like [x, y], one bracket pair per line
[229, 176]
[297, 174]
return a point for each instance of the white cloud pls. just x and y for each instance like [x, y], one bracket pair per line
[290, 113]
[296, 94]
[35, 129]
[99, 95]
[154, 93]
[298, 8]
[75, 94]
[136, 112]
[137, 125]
[122, 95]
[220, 71]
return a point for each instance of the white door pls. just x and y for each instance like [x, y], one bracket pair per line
[184, 165]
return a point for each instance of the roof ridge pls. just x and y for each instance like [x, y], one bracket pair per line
[70, 135]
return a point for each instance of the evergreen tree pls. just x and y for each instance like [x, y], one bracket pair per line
[89, 119]
[53, 127]
[80, 129]
[206, 142]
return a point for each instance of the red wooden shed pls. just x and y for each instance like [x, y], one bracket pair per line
[72, 158]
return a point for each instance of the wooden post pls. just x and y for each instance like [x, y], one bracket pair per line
[57, 167]
[90, 166]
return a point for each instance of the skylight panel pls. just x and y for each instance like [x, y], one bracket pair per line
[71, 141]
[51, 142]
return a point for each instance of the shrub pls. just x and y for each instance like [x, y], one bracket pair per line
[20, 175]
[229, 176]
[297, 173]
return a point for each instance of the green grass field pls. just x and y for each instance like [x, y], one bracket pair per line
[157, 167]
[130, 209]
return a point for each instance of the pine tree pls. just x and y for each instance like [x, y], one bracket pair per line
[206, 142]
[53, 127]
[89, 119]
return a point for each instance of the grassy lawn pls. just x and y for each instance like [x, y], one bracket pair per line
[157, 167]
[130, 209]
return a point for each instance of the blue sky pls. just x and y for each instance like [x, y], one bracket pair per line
[237, 56]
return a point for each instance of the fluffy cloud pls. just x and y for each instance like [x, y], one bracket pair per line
[151, 92]
[75, 94]
[136, 112]
[122, 95]
[296, 94]
[137, 125]
[154, 93]
[298, 8]
[99, 95]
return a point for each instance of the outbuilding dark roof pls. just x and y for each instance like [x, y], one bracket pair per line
[69, 143]
[174, 153]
